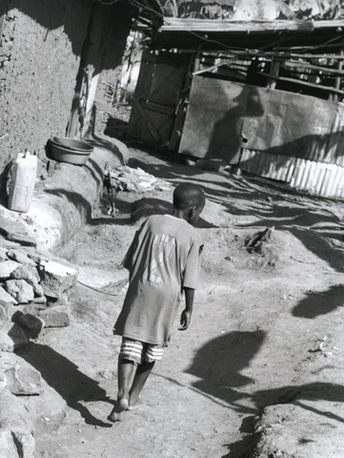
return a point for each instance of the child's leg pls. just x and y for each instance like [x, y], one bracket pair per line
[142, 373]
[151, 353]
[126, 370]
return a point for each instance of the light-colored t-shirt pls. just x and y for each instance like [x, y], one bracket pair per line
[163, 257]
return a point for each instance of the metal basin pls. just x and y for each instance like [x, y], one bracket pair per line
[69, 150]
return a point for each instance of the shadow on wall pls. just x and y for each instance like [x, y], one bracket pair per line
[226, 137]
[66, 379]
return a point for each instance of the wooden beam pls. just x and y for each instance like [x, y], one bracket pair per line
[222, 25]
[306, 83]
[319, 68]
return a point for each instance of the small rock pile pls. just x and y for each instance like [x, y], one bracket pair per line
[33, 294]
[130, 179]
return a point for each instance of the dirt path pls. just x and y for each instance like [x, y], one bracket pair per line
[253, 341]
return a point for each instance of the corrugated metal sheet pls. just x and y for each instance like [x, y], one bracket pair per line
[317, 178]
[275, 166]
[326, 180]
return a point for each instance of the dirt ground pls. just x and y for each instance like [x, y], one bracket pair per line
[266, 331]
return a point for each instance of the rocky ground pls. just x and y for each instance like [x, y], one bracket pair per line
[258, 374]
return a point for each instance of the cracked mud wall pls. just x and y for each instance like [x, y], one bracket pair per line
[41, 43]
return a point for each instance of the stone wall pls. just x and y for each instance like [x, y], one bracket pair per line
[40, 55]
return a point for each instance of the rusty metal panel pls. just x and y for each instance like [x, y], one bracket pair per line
[223, 113]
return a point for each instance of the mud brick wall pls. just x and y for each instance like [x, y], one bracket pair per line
[41, 44]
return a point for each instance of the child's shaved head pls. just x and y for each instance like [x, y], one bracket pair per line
[187, 195]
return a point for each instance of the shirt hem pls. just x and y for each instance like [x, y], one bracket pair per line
[138, 337]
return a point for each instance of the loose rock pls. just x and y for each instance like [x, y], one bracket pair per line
[57, 278]
[24, 380]
[7, 267]
[55, 317]
[30, 275]
[15, 418]
[21, 257]
[20, 290]
[5, 297]
[58, 302]
[7, 445]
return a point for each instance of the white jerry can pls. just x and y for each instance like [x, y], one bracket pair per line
[22, 184]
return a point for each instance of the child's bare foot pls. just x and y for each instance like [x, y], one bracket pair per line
[122, 404]
[134, 403]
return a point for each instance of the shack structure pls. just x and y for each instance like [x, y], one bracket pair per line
[265, 95]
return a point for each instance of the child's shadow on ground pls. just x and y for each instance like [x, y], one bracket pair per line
[65, 377]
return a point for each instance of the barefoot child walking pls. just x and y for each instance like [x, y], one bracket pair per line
[163, 262]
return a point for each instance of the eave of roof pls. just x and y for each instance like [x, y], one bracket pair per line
[227, 26]
[219, 34]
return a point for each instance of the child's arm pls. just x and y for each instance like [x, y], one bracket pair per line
[185, 318]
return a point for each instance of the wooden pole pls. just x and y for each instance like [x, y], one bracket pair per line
[275, 66]
[306, 83]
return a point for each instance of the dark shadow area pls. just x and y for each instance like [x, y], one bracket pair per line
[66, 379]
[296, 394]
[141, 208]
[85, 208]
[307, 218]
[219, 362]
[218, 365]
[226, 138]
[320, 302]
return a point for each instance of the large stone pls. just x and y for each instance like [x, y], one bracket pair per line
[20, 290]
[3, 254]
[31, 324]
[57, 278]
[5, 297]
[55, 317]
[12, 337]
[6, 343]
[7, 267]
[24, 380]
[15, 418]
[58, 302]
[8, 448]
[4, 311]
[21, 257]
[30, 275]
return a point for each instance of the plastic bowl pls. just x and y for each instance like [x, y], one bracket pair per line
[68, 150]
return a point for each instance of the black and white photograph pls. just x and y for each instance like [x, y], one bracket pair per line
[171, 228]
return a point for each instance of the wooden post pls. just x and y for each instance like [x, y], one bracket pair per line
[274, 71]
[339, 78]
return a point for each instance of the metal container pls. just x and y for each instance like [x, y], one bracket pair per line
[68, 150]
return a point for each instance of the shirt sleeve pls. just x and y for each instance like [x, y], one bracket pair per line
[128, 259]
[191, 272]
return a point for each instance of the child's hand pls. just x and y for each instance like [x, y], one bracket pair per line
[185, 320]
